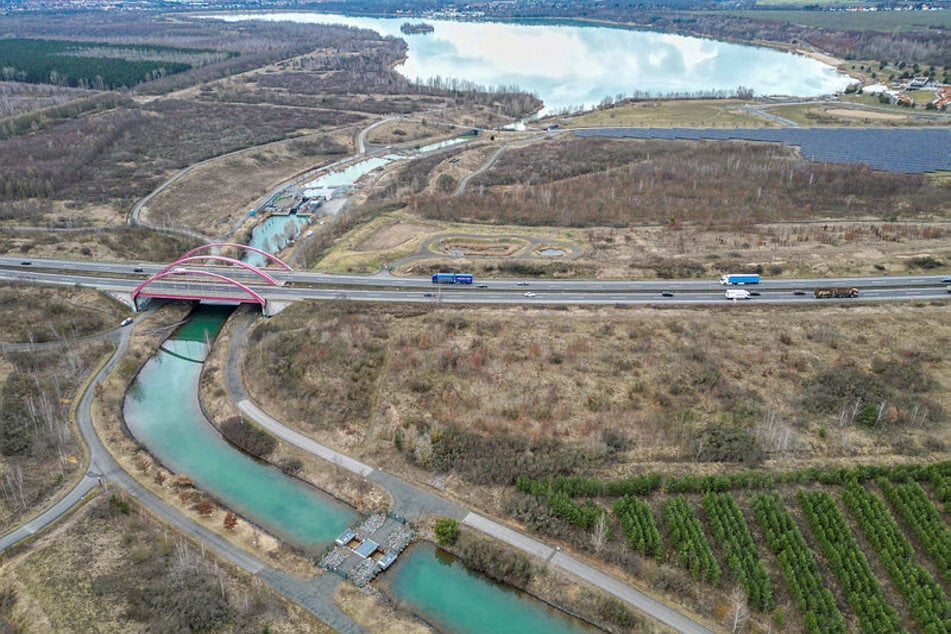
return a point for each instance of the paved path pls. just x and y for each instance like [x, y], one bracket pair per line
[413, 502]
[50, 515]
[314, 595]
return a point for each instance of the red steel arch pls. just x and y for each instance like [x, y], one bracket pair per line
[214, 245]
[254, 297]
[220, 258]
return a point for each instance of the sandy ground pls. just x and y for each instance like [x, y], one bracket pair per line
[865, 114]
[391, 236]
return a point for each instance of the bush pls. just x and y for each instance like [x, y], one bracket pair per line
[487, 557]
[447, 531]
[721, 444]
[926, 262]
[248, 437]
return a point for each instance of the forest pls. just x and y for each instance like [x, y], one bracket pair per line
[85, 64]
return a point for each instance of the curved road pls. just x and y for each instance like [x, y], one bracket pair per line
[315, 595]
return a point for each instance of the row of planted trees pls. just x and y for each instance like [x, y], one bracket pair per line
[571, 500]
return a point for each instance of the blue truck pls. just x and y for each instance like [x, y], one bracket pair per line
[739, 278]
[452, 278]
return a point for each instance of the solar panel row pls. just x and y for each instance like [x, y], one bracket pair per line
[903, 150]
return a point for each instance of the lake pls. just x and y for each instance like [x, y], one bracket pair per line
[574, 66]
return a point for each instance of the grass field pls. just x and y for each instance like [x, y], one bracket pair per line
[700, 113]
[840, 115]
[889, 21]
[213, 197]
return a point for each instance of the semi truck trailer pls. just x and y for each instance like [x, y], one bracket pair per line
[739, 278]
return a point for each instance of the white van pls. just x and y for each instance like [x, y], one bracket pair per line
[737, 293]
[126, 321]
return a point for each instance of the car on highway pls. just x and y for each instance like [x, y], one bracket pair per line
[666, 294]
[136, 270]
[482, 286]
[754, 293]
[946, 280]
[25, 263]
[529, 294]
[799, 292]
[427, 295]
[523, 283]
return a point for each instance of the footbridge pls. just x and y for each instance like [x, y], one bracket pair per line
[205, 275]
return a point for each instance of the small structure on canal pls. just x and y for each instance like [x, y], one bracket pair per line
[360, 554]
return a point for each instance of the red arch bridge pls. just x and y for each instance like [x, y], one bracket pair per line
[203, 275]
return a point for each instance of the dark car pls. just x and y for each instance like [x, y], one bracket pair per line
[25, 263]
[754, 293]
[799, 292]
[521, 284]
[427, 294]
[482, 286]
[946, 280]
[667, 294]
[136, 270]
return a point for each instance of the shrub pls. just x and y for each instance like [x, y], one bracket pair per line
[720, 444]
[447, 531]
[497, 562]
[248, 437]
[926, 262]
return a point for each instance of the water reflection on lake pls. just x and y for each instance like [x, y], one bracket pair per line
[569, 66]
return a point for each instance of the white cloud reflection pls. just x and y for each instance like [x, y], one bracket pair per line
[572, 66]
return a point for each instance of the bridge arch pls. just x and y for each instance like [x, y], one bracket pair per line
[250, 297]
[215, 245]
[220, 258]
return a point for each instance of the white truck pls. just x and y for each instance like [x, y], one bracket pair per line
[737, 293]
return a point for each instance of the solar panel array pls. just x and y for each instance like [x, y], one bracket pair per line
[903, 150]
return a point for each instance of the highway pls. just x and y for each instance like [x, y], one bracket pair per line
[915, 288]
[384, 287]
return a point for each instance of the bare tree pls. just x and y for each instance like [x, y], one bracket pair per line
[740, 613]
[599, 536]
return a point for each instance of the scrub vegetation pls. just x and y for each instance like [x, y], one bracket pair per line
[240, 86]
[40, 453]
[479, 400]
[490, 394]
[114, 243]
[599, 182]
[38, 314]
[113, 567]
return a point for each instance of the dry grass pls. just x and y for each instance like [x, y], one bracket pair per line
[215, 195]
[368, 607]
[833, 248]
[114, 568]
[38, 313]
[120, 242]
[392, 235]
[218, 406]
[581, 377]
[406, 131]
[691, 113]
[43, 383]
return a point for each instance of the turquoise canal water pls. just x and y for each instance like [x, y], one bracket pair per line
[272, 235]
[162, 412]
[455, 599]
